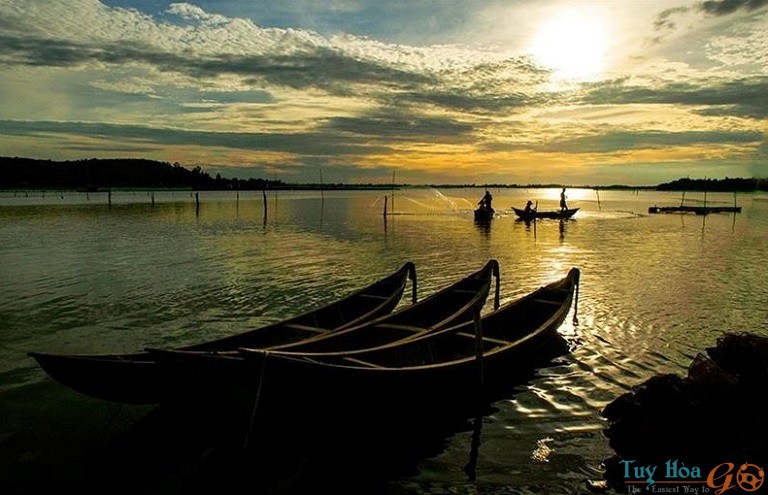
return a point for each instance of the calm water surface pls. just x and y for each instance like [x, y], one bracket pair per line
[79, 276]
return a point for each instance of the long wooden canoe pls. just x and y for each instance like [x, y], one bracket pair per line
[133, 378]
[452, 366]
[536, 214]
[193, 373]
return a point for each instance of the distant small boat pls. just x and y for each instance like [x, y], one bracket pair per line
[699, 210]
[535, 214]
[484, 214]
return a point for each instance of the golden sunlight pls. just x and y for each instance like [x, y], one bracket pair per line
[572, 45]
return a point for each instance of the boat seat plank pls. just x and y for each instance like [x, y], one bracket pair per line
[374, 296]
[394, 326]
[360, 361]
[296, 326]
[547, 301]
[486, 339]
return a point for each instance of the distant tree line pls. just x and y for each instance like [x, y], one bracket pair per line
[129, 173]
[722, 185]
[95, 174]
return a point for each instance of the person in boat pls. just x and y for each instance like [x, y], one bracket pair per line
[529, 207]
[486, 200]
[563, 205]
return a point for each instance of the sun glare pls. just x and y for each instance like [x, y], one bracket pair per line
[572, 45]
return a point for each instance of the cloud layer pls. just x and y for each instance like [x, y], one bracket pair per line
[191, 84]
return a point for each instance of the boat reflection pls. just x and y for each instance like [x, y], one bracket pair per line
[199, 447]
[484, 227]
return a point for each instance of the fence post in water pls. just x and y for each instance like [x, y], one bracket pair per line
[385, 208]
[479, 349]
[264, 196]
[197, 203]
[599, 208]
[576, 302]
[152, 198]
[393, 191]
[109, 198]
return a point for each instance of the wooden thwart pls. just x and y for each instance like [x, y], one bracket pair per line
[485, 339]
[296, 326]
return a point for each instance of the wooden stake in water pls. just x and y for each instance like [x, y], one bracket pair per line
[197, 203]
[264, 196]
[385, 208]
[322, 198]
[597, 191]
[479, 349]
[152, 198]
[109, 198]
[393, 191]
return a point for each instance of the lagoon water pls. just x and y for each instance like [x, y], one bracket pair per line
[78, 276]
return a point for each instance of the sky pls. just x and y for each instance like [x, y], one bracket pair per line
[434, 91]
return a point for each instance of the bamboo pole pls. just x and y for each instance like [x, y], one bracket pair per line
[264, 197]
[392, 206]
[322, 197]
[479, 349]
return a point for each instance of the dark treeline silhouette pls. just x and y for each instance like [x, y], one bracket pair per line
[128, 173]
[131, 173]
[721, 185]
[95, 174]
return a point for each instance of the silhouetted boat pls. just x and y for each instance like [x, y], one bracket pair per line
[447, 367]
[484, 214]
[535, 214]
[133, 378]
[188, 372]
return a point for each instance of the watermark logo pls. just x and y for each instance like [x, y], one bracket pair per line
[675, 477]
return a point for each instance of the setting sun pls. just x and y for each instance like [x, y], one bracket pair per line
[572, 45]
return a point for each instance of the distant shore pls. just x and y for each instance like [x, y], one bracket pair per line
[94, 175]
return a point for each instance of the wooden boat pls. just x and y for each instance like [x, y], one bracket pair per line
[133, 378]
[536, 214]
[188, 372]
[484, 214]
[448, 367]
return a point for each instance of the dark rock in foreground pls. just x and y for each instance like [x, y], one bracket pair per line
[714, 415]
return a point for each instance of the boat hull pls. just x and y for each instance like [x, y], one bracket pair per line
[484, 214]
[553, 214]
[427, 375]
[135, 378]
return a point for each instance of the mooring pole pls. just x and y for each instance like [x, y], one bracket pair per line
[264, 197]
[393, 191]
[479, 349]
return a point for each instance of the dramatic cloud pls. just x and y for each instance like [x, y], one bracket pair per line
[725, 7]
[435, 89]
[611, 140]
[740, 98]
